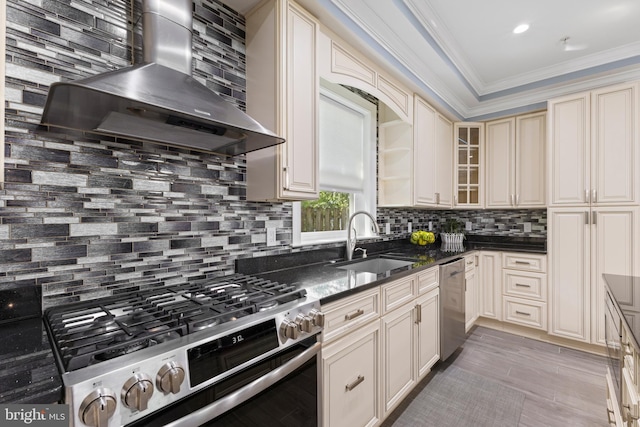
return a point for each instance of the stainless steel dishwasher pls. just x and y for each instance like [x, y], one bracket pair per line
[452, 321]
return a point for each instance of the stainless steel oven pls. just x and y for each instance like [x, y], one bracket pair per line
[236, 351]
[279, 391]
[613, 338]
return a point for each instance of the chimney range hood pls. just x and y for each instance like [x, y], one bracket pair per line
[158, 100]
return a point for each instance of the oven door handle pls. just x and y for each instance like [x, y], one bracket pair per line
[239, 396]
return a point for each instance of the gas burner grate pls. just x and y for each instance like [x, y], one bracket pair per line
[93, 331]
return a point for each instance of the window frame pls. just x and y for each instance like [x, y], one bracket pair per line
[365, 200]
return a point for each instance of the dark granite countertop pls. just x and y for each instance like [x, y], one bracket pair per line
[317, 272]
[625, 291]
[28, 373]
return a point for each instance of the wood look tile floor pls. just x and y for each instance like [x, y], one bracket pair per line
[563, 387]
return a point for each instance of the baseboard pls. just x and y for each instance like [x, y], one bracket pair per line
[540, 335]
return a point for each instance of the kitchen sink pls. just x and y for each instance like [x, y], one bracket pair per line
[375, 265]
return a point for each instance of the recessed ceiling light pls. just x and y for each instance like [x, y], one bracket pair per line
[520, 28]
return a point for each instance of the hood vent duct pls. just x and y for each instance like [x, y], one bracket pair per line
[158, 100]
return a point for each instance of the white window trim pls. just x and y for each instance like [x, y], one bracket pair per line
[368, 110]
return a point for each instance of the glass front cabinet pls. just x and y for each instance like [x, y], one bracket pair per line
[469, 142]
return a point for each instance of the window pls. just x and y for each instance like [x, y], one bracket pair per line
[347, 130]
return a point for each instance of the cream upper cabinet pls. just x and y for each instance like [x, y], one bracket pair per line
[468, 165]
[283, 95]
[593, 147]
[515, 162]
[584, 244]
[342, 64]
[500, 163]
[444, 161]
[530, 163]
[432, 157]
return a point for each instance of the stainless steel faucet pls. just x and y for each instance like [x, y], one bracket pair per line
[351, 243]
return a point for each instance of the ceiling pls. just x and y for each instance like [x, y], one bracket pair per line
[464, 56]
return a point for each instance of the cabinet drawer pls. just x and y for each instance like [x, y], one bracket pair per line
[630, 398]
[397, 293]
[613, 408]
[525, 285]
[428, 280]
[525, 262]
[349, 313]
[469, 262]
[525, 312]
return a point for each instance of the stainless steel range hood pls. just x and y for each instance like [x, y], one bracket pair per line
[158, 100]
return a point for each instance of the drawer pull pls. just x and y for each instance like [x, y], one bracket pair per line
[354, 384]
[523, 262]
[522, 285]
[353, 315]
[522, 313]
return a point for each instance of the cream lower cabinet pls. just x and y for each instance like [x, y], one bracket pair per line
[583, 244]
[398, 355]
[524, 289]
[471, 296]
[351, 380]
[410, 335]
[490, 285]
[376, 346]
[350, 366]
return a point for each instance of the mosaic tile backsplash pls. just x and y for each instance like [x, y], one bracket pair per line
[83, 216]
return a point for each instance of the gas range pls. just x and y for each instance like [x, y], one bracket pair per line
[126, 356]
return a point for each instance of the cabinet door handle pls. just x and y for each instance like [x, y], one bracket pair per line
[594, 218]
[594, 195]
[587, 218]
[511, 197]
[351, 316]
[418, 313]
[522, 285]
[437, 198]
[522, 313]
[354, 384]
[517, 199]
[285, 173]
[455, 200]
[586, 195]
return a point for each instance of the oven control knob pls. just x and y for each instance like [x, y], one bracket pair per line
[98, 407]
[305, 323]
[289, 329]
[137, 391]
[317, 317]
[170, 378]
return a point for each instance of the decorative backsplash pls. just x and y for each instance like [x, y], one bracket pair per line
[507, 222]
[83, 216]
